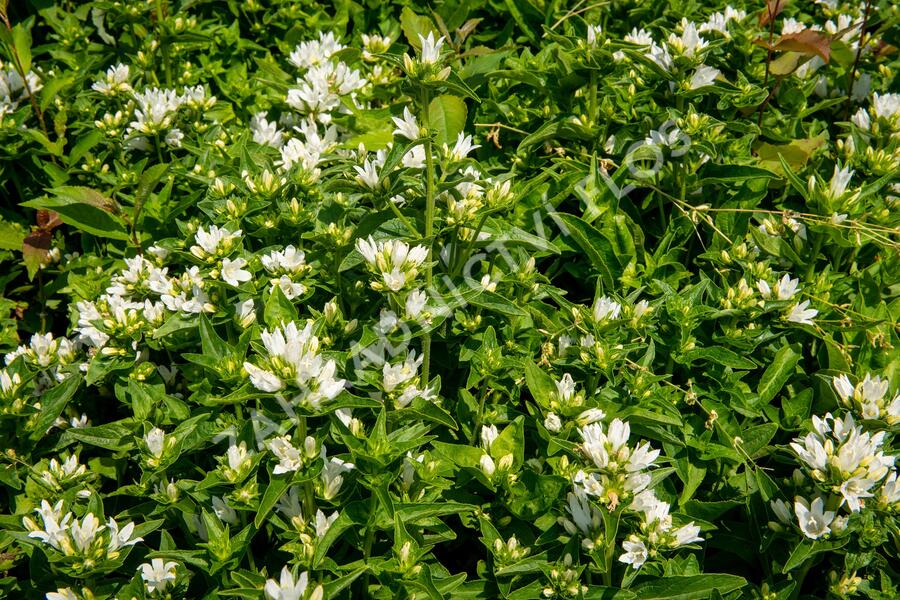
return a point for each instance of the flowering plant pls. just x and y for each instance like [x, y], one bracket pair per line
[520, 300]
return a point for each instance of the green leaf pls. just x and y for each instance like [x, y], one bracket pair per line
[276, 488]
[447, 117]
[112, 436]
[598, 248]
[777, 374]
[146, 183]
[279, 309]
[11, 236]
[540, 384]
[52, 404]
[714, 173]
[756, 438]
[692, 587]
[722, 356]
[414, 25]
[85, 208]
[807, 549]
[22, 42]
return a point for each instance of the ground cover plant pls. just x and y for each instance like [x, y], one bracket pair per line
[470, 299]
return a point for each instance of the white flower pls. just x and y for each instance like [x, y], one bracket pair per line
[861, 119]
[406, 126]
[415, 303]
[266, 132]
[289, 457]
[839, 181]
[332, 474]
[209, 241]
[813, 519]
[635, 552]
[890, 491]
[155, 440]
[430, 52]
[800, 313]
[262, 379]
[61, 594]
[854, 489]
[290, 288]
[368, 174]
[233, 272]
[873, 389]
[782, 510]
[552, 423]
[487, 465]
[237, 456]
[489, 434]
[120, 538]
[565, 388]
[886, 106]
[461, 148]
[786, 287]
[593, 34]
[225, 513]
[116, 81]
[394, 376]
[157, 574]
[287, 588]
[606, 308]
[393, 260]
[703, 77]
[245, 312]
[687, 534]
[315, 52]
[83, 533]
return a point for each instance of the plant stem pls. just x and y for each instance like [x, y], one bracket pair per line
[429, 226]
[164, 46]
[859, 49]
[20, 69]
[772, 12]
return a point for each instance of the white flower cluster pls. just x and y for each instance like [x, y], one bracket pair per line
[140, 298]
[400, 381]
[325, 81]
[393, 261]
[843, 459]
[46, 353]
[115, 81]
[869, 398]
[156, 111]
[13, 88]
[86, 540]
[883, 115]
[656, 531]
[292, 359]
[289, 588]
[719, 21]
[306, 150]
[619, 471]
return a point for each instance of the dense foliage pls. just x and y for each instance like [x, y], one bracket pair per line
[481, 299]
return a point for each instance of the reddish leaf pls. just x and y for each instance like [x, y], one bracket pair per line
[806, 42]
[35, 250]
[48, 220]
[772, 10]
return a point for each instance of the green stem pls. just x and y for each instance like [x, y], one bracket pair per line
[429, 225]
[164, 46]
[403, 219]
[611, 524]
[309, 501]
